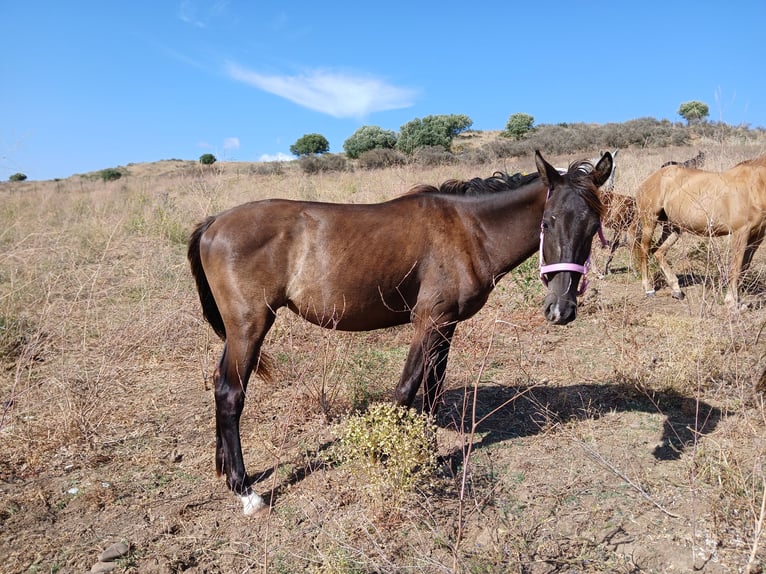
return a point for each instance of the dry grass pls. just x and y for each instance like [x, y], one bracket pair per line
[629, 441]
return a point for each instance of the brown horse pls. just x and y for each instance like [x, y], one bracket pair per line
[620, 213]
[704, 203]
[429, 258]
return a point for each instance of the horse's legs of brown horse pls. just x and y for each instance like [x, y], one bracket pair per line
[612, 248]
[660, 253]
[742, 250]
[240, 355]
[752, 247]
[426, 361]
[648, 223]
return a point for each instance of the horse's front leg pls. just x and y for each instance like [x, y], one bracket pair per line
[426, 361]
[647, 225]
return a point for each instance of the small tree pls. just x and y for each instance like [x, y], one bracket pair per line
[431, 131]
[207, 159]
[310, 144]
[518, 126]
[17, 177]
[368, 138]
[693, 112]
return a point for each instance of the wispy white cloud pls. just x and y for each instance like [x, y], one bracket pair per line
[275, 157]
[188, 12]
[231, 143]
[337, 94]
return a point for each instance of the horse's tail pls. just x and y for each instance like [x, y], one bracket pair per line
[209, 306]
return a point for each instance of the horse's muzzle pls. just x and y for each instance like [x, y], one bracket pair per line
[560, 309]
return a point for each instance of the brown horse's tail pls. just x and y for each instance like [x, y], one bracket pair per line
[209, 306]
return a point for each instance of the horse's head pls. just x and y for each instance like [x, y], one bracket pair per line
[571, 218]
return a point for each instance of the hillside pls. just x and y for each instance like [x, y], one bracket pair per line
[631, 440]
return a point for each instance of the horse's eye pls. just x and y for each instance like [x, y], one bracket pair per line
[548, 223]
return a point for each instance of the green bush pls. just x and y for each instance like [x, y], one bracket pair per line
[518, 126]
[431, 131]
[17, 177]
[207, 159]
[368, 138]
[310, 144]
[110, 174]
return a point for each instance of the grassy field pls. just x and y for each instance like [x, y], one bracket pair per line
[631, 440]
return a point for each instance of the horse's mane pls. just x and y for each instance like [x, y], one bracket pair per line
[579, 179]
[496, 183]
[582, 183]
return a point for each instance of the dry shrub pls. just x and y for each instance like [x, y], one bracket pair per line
[388, 449]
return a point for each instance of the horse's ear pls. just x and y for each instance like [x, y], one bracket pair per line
[549, 174]
[603, 169]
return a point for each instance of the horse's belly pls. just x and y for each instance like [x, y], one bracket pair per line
[350, 313]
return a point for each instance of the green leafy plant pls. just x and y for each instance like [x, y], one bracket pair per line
[207, 159]
[110, 174]
[431, 131]
[693, 111]
[368, 138]
[17, 177]
[518, 126]
[310, 144]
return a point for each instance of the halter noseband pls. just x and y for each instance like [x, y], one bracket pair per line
[576, 267]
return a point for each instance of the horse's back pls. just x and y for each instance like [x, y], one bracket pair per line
[704, 201]
[351, 267]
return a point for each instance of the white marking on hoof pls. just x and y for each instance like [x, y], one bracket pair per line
[650, 293]
[252, 503]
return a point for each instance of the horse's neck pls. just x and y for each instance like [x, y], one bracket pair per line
[510, 223]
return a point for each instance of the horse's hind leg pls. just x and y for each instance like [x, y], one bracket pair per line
[743, 248]
[668, 239]
[240, 357]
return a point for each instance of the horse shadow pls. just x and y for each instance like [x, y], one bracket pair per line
[509, 412]
[506, 413]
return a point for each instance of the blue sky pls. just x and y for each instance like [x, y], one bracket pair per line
[86, 85]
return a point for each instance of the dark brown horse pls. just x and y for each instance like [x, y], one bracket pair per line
[429, 258]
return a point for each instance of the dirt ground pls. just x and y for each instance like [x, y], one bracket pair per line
[628, 441]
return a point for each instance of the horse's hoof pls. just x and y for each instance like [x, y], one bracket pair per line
[650, 293]
[252, 503]
[678, 295]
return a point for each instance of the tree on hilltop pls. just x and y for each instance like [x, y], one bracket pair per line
[368, 138]
[693, 112]
[518, 126]
[431, 131]
[310, 144]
